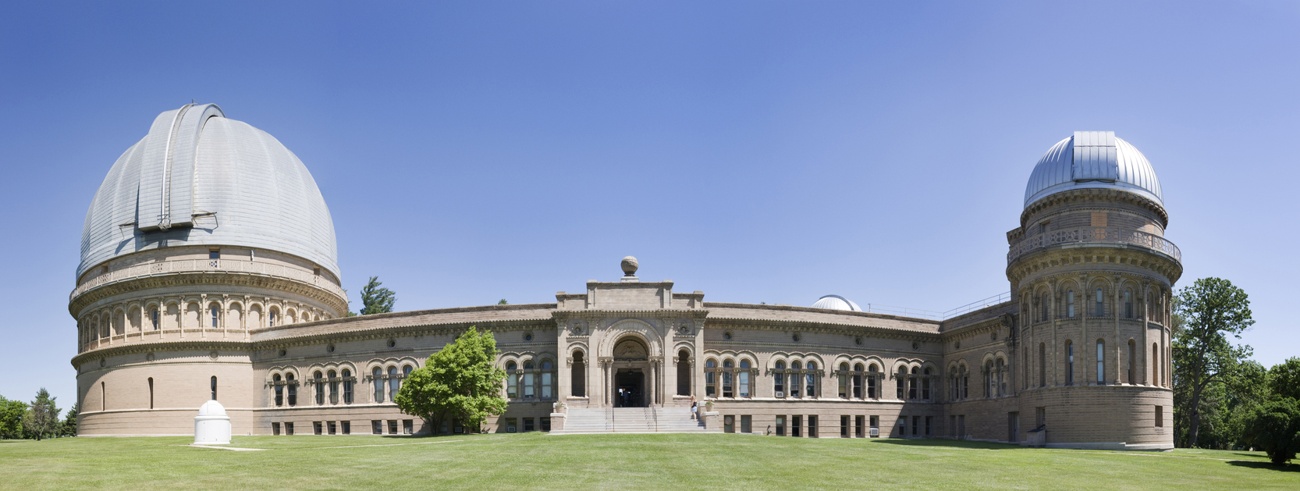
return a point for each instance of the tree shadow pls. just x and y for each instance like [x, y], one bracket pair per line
[1265, 465]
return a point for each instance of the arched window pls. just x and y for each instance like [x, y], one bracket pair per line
[810, 379]
[377, 381]
[952, 383]
[796, 378]
[901, 378]
[843, 376]
[728, 367]
[578, 378]
[1155, 364]
[214, 387]
[873, 381]
[394, 383]
[1132, 362]
[291, 386]
[963, 374]
[529, 379]
[1001, 383]
[988, 378]
[215, 313]
[912, 392]
[1101, 362]
[1042, 364]
[318, 384]
[925, 384]
[548, 379]
[857, 381]
[1128, 304]
[743, 379]
[1042, 302]
[347, 386]
[683, 373]
[710, 378]
[334, 387]
[150, 392]
[1069, 363]
[512, 381]
[276, 385]
[778, 378]
[154, 318]
[271, 317]
[1099, 303]
[1069, 304]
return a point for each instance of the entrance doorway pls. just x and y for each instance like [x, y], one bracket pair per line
[629, 388]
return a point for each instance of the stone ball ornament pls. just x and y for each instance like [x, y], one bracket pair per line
[629, 265]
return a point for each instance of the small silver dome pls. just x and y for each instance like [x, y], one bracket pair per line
[1093, 159]
[836, 302]
[199, 178]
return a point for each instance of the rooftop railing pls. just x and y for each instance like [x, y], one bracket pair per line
[1094, 235]
[181, 266]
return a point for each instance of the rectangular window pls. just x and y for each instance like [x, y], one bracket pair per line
[728, 424]
[952, 426]
[546, 423]
[512, 425]
[902, 426]
[1069, 304]
[1160, 416]
[780, 426]
[796, 425]
[875, 424]
[812, 426]
[746, 424]
[346, 426]
[858, 423]
[916, 423]
[333, 427]
[392, 427]
[214, 253]
[1069, 363]
[275, 428]
[376, 427]
[316, 427]
[1040, 416]
[153, 316]
[408, 426]
[928, 420]
[528, 424]
[288, 428]
[844, 426]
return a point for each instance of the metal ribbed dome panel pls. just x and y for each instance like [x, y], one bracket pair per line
[836, 302]
[199, 178]
[1093, 159]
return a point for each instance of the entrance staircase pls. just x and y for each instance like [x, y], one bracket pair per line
[631, 420]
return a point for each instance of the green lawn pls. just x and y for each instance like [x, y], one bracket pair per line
[538, 460]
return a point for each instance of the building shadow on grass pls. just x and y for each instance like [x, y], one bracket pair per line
[932, 442]
[1255, 464]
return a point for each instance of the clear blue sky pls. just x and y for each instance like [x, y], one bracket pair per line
[757, 151]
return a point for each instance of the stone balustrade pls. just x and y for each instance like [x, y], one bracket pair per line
[1094, 235]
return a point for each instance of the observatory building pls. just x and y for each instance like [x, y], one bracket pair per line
[209, 271]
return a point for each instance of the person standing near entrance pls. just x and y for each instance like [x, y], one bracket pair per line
[693, 409]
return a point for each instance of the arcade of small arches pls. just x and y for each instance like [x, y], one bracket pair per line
[1069, 299]
[198, 313]
[336, 384]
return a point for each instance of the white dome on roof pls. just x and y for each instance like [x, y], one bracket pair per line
[199, 178]
[212, 408]
[1093, 159]
[836, 302]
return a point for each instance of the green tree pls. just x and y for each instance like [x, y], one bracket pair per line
[460, 381]
[1210, 309]
[42, 417]
[1284, 378]
[375, 299]
[69, 426]
[11, 418]
[1275, 427]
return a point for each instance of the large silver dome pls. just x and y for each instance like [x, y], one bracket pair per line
[199, 178]
[1093, 159]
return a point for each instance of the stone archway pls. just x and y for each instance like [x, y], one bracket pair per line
[630, 385]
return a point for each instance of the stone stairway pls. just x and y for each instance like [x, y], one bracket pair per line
[630, 420]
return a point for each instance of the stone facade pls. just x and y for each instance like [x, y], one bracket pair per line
[162, 330]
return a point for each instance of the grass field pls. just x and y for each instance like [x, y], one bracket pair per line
[541, 461]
